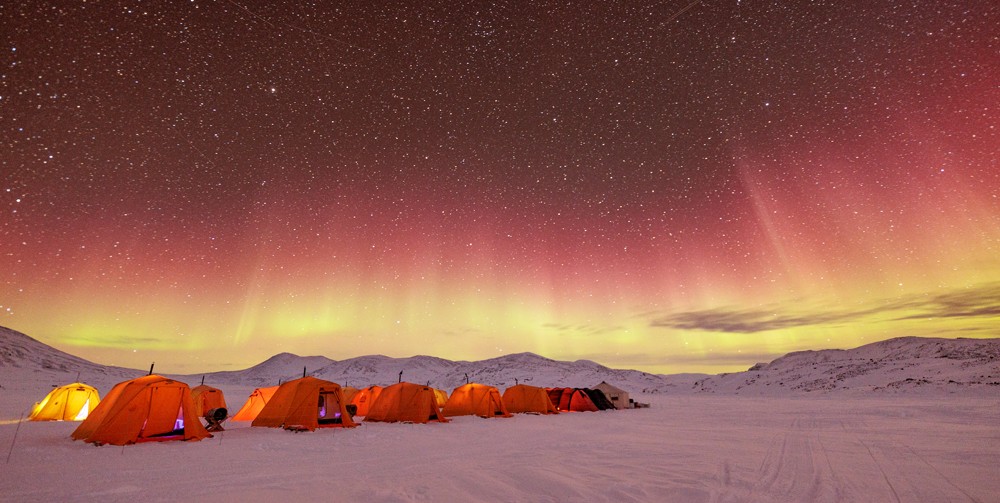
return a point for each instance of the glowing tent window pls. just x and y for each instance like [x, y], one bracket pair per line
[179, 423]
[80, 416]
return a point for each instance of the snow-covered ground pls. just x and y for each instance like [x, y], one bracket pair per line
[683, 449]
[934, 436]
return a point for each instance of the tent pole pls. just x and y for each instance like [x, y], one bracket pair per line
[15, 437]
[151, 369]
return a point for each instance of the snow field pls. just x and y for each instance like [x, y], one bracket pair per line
[683, 449]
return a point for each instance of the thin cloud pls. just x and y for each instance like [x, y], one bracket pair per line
[974, 303]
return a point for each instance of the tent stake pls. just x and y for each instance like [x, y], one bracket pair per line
[15, 438]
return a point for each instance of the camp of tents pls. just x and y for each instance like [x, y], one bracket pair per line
[155, 408]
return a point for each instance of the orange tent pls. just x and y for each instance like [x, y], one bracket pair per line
[147, 409]
[254, 404]
[406, 402]
[349, 393]
[475, 399]
[442, 397]
[306, 403]
[524, 398]
[72, 402]
[364, 398]
[206, 398]
[554, 394]
[573, 400]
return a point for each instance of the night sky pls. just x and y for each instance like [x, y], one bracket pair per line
[668, 186]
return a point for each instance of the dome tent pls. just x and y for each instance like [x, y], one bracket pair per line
[406, 402]
[306, 403]
[523, 398]
[254, 404]
[599, 398]
[475, 399]
[72, 402]
[349, 392]
[364, 398]
[442, 396]
[147, 409]
[206, 398]
[571, 400]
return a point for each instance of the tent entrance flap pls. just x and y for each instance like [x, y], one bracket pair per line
[84, 411]
[329, 408]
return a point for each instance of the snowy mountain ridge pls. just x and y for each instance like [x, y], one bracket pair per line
[903, 364]
[18, 351]
[900, 365]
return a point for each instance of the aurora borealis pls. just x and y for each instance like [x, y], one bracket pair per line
[666, 186]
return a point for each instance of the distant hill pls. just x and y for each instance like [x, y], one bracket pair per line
[278, 368]
[18, 351]
[21, 353]
[504, 371]
[904, 364]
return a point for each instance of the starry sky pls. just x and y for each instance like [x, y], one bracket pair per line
[671, 186]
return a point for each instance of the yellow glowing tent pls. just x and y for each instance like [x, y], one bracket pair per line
[254, 404]
[73, 402]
